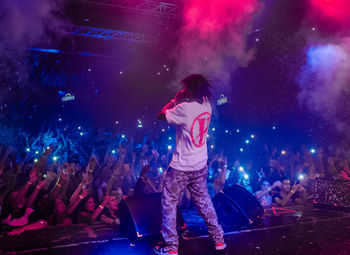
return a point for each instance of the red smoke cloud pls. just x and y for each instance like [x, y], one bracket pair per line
[208, 16]
[338, 10]
[213, 37]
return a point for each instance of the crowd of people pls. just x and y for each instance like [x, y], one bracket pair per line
[57, 179]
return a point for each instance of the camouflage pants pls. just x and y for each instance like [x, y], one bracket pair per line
[175, 181]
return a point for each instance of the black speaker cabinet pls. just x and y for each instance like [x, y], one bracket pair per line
[237, 207]
[141, 216]
[332, 194]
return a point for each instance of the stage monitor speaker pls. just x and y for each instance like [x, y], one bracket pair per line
[141, 216]
[332, 194]
[237, 207]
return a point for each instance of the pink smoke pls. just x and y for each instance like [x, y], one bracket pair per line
[324, 79]
[212, 17]
[335, 9]
[213, 37]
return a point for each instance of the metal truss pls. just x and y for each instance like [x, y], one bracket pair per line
[101, 33]
[138, 6]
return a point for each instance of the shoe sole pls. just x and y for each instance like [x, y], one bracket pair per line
[162, 253]
[220, 248]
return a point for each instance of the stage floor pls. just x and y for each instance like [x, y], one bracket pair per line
[292, 230]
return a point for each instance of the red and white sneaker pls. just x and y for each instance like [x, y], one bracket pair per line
[220, 246]
[162, 250]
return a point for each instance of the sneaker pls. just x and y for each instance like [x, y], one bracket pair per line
[220, 246]
[162, 250]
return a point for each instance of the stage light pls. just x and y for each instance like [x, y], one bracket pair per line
[252, 136]
[313, 151]
[213, 129]
[27, 149]
[163, 130]
[313, 29]
[158, 73]
[241, 169]
[169, 138]
[113, 151]
[226, 131]
[160, 170]
[123, 136]
[81, 133]
[164, 65]
[301, 177]
[246, 176]
[116, 122]
[54, 158]
[169, 147]
[121, 72]
[283, 152]
[89, 69]
[241, 149]
[79, 127]
[207, 135]
[222, 100]
[139, 125]
[247, 141]
[47, 147]
[35, 160]
[212, 146]
[237, 130]
[257, 39]
[36, 152]
[274, 127]
[168, 69]
[60, 119]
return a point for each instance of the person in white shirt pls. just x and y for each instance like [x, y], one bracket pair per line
[190, 111]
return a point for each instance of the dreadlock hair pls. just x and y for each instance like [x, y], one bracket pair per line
[199, 86]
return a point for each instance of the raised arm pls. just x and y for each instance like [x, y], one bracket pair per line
[99, 208]
[33, 177]
[179, 96]
[35, 193]
[73, 204]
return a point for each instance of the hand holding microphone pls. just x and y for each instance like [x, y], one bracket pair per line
[180, 95]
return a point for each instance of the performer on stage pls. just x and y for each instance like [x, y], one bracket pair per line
[190, 111]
